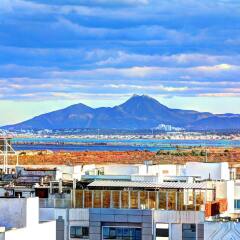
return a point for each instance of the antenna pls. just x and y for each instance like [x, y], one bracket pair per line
[205, 146]
[6, 150]
[206, 156]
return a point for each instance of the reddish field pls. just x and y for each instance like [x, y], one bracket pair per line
[231, 155]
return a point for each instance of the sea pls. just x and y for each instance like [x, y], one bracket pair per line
[94, 144]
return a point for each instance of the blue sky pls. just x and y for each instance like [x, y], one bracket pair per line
[185, 53]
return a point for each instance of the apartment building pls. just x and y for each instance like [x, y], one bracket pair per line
[138, 202]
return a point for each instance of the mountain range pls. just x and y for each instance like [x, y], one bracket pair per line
[138, 112]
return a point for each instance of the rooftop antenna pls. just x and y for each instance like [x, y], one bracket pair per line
[6, 150]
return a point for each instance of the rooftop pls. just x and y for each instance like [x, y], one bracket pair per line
[166, 185]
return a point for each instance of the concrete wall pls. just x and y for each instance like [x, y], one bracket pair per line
[19, 212]
[13, 212]
[164, 216]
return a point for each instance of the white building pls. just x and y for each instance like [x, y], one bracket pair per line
[19, 219]
[213, 171]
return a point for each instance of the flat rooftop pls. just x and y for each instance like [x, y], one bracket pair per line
[165, 185]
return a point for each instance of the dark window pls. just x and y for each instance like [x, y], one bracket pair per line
[162, 232]
[122, 233]
[237, 204]
[18, 194]
[189, 231]
[79, 232]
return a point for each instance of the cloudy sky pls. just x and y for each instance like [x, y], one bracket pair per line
[185, 53]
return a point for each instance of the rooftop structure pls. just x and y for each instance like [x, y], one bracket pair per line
[19, 219]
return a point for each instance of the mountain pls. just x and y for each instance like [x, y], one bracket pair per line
[139, 112]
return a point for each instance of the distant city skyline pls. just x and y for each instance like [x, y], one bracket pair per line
[184, 53]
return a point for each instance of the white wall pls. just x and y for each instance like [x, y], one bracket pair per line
[13, 212]
[121, 169]
[19, 212]
[163, 170]
[20, 217]
[230, 196]
[43, 231]
[221, 190]
[164, 216]
[71, 217]
[237, 190]
[228, 191]
[217, 171]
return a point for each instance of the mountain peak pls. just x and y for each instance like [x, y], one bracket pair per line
[142, 101]
[141, 97]
[138, 112]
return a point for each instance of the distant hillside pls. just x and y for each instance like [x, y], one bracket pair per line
[139, 112]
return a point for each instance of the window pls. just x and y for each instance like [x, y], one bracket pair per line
[162, 231]
[115, 199]
[106, 199]
[189, 231]
[121, 233]
[171, 200]
[134, 199]
[87, 199]
[152, 200]
[143, 200]
[162, 200]
[78, 198]
[79, 232]
[97, 201]
[237, 203]
[125, 199]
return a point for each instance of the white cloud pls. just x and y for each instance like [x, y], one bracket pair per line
[147, 87]
[220, 67]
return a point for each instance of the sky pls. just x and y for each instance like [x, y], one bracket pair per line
[185, 53]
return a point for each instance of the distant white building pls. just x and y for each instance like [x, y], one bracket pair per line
[19, 219]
